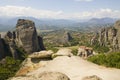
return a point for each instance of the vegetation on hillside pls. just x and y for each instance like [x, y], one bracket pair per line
[9, 68]
[108, 60]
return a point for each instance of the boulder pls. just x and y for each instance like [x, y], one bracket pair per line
[41, 54]
[34, 61]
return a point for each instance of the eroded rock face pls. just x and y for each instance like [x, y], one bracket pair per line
[109, 36]
[117, 26]
[4, 49]
[26, 35]
[2, 52]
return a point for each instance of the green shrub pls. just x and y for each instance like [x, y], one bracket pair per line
[108, 60]
[9, 68]
[100, 49]
[75, 51]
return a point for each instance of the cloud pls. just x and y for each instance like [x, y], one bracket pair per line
[16, 11]
[84, 0]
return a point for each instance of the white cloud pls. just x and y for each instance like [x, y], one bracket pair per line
[84, 0]
[16, 11]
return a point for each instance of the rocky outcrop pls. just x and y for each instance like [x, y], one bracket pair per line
[4, 49]
[85, 52]
[2, 52]
[41, 54]
[34, 61]
[66, 37]
[109, 37]
[74, 67]
[24, 37]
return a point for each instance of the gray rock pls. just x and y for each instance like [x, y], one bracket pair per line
[109, 37]
[26, 35]
[2, 52]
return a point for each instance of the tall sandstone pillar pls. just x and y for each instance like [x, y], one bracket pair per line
[117, 26]
[26, 36]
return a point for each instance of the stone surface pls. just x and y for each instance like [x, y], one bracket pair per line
[34, 61]
[74, 67]
[41, 54]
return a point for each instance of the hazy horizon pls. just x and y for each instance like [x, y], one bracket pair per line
[60, 9]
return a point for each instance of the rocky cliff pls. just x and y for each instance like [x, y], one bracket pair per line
[109, 37]
[24, 36]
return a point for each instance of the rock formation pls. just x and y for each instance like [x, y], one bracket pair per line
[66, 37]
[34, 61]
[109, 37]
[74, 67]
[25, 37]
[1, 48]
[4, 49]
[85, 52]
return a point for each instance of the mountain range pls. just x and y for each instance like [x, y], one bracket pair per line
[43, 24]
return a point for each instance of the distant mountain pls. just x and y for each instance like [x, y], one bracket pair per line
[10, 23]
[102, 20]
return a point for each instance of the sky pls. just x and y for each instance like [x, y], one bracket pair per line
[60, 9]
